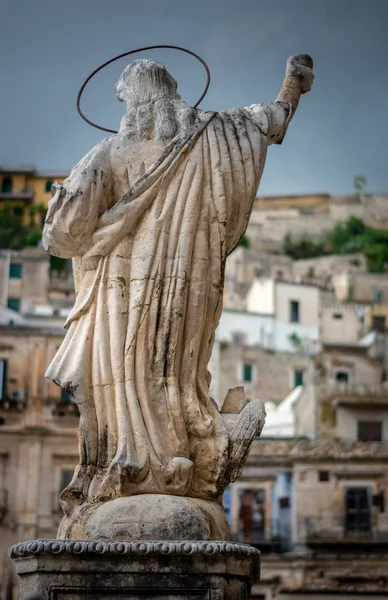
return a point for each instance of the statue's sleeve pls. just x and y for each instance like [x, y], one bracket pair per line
[272, 119]
[77, 203]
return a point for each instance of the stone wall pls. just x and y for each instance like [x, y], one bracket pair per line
[326, 266]
[361, 287]
[341, 322]
[272, 220]
[360, 368]
[38, 438]
[306, 295]
[347, 418]
[27, 351]
[244, 265]
[31, 286]
[371, 208]
[34, 453]
[272, 373]
[266, 231]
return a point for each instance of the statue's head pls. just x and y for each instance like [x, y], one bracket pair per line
[155, 108]
[145, 80]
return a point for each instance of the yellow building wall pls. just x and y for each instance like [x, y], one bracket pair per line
[38, 187]
[18, 181]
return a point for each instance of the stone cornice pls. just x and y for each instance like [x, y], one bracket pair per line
[160, 547]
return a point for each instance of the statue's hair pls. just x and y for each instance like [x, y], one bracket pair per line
[153, 103]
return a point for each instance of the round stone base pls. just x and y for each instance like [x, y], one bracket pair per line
[147, 517]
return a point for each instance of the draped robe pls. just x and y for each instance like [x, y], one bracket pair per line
[148, 259]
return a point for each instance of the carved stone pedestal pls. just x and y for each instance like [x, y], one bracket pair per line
[184, 570]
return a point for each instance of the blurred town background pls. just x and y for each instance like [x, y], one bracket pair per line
[304, 328]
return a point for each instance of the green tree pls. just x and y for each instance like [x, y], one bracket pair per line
[303, 248]
[359, 182]
[245, 242]
[15, 234]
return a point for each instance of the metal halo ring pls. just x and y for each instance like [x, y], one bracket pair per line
[81, 114]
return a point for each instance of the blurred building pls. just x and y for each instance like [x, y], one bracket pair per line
[26, 186]
[29, 287]
[38, 438]
[367, 288]
[317, 512]
[24, 279]
[265, 374]
[309, 216]
[346, 397]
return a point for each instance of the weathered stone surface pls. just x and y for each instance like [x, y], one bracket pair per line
[149, 217]
[64, 570]
[148, 517]
[234, 401]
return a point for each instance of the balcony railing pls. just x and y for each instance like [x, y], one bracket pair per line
[343, 529]
[275, 537]
[14, 403]
[25, 196]
[63, 407]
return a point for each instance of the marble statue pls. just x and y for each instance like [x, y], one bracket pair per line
[149, 217]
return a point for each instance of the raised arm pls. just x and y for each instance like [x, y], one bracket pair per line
[299, 79]
[273, 119]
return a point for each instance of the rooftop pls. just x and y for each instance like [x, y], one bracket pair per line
[306, 449]
[29, 169]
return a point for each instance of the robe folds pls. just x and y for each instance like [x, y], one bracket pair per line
[148, 258]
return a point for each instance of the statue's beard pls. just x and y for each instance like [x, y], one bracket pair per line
[162, 119]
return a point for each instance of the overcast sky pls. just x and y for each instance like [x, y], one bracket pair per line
[48, 47]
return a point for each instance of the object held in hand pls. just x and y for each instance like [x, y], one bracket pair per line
[298, 80]
[300, 66]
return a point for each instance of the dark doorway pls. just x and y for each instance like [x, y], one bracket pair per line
[252, 515]
[357, 510]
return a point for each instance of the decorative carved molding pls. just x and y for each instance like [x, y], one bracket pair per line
[64, 547]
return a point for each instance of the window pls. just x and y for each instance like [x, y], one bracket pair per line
[337, 316]
[379, 501]
[252, 515]
[247, 372]
[342, 376]
[18, 210]
[15, 270]
[294, 311]
[258, 272]
[323, 475]
[227, 502]
[3, 376]
[14, 304]
[369, 431]
[6, 186]
[310, 272]
[66, 477]
[357, 510]
[279, 274]
[298, 378]
[48, 186]
[284, 502]
[377, 296]
[238, 337]
[65, 396]
[378, 323]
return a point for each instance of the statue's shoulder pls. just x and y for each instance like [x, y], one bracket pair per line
[202, 117]
[105, 145]
[97, 156]
[100, 150]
